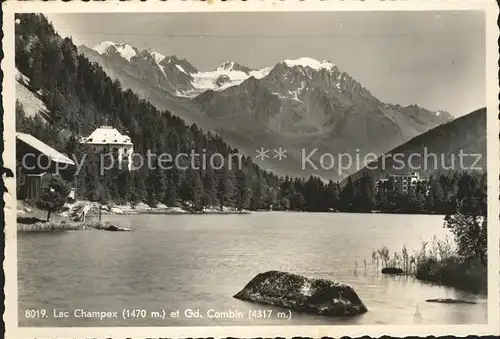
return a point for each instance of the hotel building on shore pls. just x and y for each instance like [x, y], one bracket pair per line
[404, 181]
[109, 139]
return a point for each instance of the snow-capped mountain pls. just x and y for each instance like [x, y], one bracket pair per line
[306, 96]
[170, 73]
[124, 51]
[233, 66]
[179, 76]
[312, 104]
[296, 103]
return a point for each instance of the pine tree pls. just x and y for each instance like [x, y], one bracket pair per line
[298, 202]
[124, 183]
[139, 192]
[225, 187]
[198, 193]
[191, 189]
[332, 196]
[242, 192]
[257, 195]
[170, 198]
[271, 198]
[209, 189]
[348, 195]
[438, 197]
[88, 177]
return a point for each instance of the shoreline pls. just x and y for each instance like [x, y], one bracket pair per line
[164, 210]
[92, 210]
[168, 212]
[33, 219]
[244, 212]
[144, 209]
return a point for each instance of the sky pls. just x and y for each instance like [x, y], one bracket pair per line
[434, 59]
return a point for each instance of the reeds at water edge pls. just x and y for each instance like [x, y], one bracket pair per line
[438, 250]
[63, 225]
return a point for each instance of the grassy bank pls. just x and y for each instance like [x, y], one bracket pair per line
[436, 262]
[58, 225]
[468, 275]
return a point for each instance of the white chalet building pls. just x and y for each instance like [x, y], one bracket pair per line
[108, 139]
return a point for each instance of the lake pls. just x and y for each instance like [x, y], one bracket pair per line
[170, 263]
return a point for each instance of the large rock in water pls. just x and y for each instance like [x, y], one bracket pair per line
[318, 296]
[392, 270]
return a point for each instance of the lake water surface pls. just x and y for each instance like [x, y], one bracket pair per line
[179, 262]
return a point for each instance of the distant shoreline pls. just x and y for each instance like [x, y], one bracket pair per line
[144, 209]
[169, 212]
[244, 212]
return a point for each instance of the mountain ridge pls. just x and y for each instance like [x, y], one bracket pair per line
[296, 104]
[304, 62]
[466, 134]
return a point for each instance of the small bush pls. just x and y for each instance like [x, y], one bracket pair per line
[468, 275]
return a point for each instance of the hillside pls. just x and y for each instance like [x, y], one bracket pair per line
[466, 134]
[30, 101]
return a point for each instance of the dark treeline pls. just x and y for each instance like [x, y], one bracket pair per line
[80, 97]
[442, 193]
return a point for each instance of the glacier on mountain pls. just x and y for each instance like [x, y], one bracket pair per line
[309, 62]
[158, 57]
[234, 74]
[181, 69]
[126, 51]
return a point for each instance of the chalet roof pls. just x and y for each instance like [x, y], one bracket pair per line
[44, 148]
[107, 135]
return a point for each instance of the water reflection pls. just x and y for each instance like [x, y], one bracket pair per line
[180, 262]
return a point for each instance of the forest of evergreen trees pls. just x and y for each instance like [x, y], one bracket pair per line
[80, 97]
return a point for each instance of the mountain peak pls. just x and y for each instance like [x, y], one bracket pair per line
[309, 62]
[227, 65]
[234, 66]
[103, 46]
[124, 50]
[181, 64]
